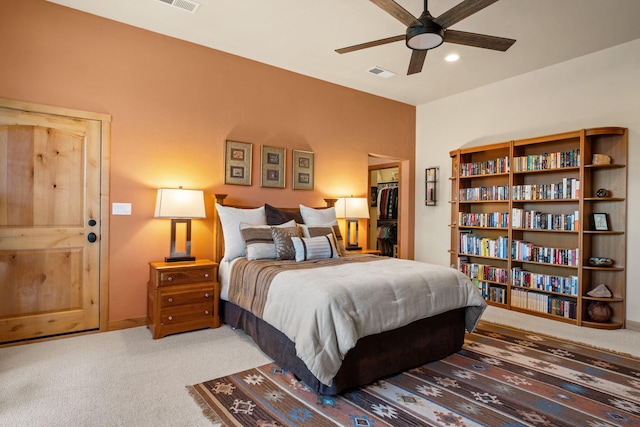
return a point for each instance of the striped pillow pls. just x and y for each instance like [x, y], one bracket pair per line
[308, 248]
[258, 240]
[321, 230]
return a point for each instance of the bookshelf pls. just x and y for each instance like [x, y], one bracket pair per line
[522, 223]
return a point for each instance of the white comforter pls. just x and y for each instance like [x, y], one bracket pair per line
[359, 304]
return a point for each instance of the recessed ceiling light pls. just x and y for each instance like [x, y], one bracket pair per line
[453, 57]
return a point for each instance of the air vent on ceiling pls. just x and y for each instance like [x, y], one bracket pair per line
[381, 72]
[189, 6]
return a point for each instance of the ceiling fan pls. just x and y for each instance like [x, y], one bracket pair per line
[427, 32]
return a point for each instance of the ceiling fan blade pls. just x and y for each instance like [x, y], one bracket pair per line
[371, 44]
[478, 40]
[462, 10]
[417, 61]
[397, 11]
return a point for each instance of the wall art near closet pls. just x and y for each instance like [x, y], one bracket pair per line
[272, 171]
[303, 167]
[237, 162]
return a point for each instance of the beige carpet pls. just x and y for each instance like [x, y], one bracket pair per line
[124, 378]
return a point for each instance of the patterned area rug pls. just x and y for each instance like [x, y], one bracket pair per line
[501, 377]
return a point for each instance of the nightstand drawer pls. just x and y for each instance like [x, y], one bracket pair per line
[186, 313]
[187, 276]
[199, 296]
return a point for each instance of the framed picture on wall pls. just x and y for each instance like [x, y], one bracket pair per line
[303, 167]
[272, 170]
[237, 162]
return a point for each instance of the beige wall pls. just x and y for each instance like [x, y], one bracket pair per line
[173, 105]
[601, 89]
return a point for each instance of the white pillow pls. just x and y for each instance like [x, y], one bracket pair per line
[230, 218]
[313, 216]
[258, 240]
[314, 247]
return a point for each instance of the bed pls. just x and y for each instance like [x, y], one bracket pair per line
[311, 308]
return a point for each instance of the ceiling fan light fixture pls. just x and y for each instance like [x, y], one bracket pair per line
[427, 35]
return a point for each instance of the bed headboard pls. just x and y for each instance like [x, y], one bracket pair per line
[218, 238]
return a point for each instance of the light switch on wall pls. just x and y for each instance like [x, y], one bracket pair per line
[121, 208]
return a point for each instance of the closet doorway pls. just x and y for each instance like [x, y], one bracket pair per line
[384, 210]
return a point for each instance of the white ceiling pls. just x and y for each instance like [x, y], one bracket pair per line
[301, 36]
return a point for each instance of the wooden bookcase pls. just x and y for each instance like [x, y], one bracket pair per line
[522, 223]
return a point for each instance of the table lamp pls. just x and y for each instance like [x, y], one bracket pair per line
[181, 206]
[352, 209]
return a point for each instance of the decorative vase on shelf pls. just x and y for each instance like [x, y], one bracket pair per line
[599, 311]
[598, 261]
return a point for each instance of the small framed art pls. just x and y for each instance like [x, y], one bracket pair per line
[600, 222]
[303, 166]
[273, 163]
[237, 162]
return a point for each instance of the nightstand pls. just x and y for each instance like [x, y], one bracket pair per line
[182, 296]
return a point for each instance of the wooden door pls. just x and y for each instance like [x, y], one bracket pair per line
[50, 224]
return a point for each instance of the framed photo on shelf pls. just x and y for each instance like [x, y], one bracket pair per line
[303, 167]
[272, 170]
[600, 222]
[237, 162]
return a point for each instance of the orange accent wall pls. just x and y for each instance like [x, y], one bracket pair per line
[173, 104]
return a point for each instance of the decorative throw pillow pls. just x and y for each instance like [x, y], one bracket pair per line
[324, 218]
[282, 239]
[322, 230]
[258, 240]
[277, 216]
[230, 218]
[320, 247]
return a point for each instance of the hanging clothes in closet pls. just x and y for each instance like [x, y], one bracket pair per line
[388, 202]
[387, 232]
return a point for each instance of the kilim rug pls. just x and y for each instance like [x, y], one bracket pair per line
[501, 377]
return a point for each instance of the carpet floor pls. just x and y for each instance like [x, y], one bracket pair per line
[501, 377]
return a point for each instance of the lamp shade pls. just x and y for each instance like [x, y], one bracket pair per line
[352, 207]
[179, 203]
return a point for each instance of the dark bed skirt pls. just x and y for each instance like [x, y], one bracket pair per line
[374, 357]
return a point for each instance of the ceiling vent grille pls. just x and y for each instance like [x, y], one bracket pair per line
[381, 72]
[189, 6]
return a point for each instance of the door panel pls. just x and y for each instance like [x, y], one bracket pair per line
[49, 190]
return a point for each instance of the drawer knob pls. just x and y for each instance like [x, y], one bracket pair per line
[206, 295]
[206, 312]
[170, 299]
[170, 317]
[206, 274]
[170, 278]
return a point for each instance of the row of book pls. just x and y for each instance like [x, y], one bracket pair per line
[545, 282]
[544, 303]
[491, 293]
[489, 219]
[527, 251]
[496, 192]
[526, 279]
[544, 221]
[488, 167]
[532, 162]
[472, 244]
[568, 188]
[483, 271]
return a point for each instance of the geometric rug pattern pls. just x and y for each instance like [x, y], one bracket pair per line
[502, 377]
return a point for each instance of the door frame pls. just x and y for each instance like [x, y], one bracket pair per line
[105, 169]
